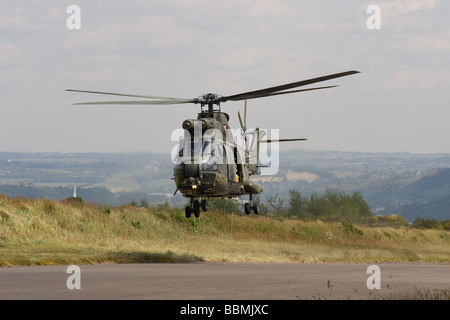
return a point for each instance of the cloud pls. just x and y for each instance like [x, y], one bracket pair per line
[12, 20]
[425, 43]
[147, 31]
[406, 6]
[271, 8]
[399, 13]
[8, 53]
[414, 78]
[238, 57]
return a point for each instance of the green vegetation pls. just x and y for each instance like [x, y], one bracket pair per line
[432, 224]
[332, 206]
[43, 231]
[422, 294]
[410, 185]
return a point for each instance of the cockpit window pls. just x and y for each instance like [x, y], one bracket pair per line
[189, 147]
[209, 152]
[208, 148]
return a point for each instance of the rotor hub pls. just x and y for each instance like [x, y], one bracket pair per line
[210, 98]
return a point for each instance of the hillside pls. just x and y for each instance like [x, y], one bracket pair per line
[413, 185]
[49, 232]
[427, 195]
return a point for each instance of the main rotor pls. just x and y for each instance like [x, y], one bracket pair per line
[211, 99]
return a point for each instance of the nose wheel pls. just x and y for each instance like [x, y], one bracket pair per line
[195, 207]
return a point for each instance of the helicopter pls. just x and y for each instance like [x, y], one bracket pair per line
[209, 160]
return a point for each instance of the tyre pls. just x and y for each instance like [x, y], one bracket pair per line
[204, 205]
[187, 212]
[247, 208]
[196, 208]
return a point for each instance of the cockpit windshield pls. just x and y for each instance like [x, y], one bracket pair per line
[208, 152]
[208, 148]
[189, 148]
[212, 152]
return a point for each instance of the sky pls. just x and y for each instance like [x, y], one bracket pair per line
[398, 103]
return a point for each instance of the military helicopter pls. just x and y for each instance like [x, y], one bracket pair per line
[210, 161]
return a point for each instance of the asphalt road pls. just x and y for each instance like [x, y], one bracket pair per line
[230, 281]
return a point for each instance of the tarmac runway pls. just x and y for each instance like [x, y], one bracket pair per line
[221, 281]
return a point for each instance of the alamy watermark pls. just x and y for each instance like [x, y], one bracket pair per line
[374, 20]
[74, 281]
[73, 22]
[212, 147]
[374, 281]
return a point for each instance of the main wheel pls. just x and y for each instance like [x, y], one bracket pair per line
[247, 208]
[255, 208]
[204, 205]
[196, 208]
[187, 212]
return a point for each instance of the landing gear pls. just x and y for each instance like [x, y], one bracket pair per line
[249, 206]
[195, 208]
[204, 205]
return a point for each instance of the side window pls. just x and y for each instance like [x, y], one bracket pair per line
[231, 166]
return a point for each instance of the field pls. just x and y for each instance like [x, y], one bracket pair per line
[45, 232]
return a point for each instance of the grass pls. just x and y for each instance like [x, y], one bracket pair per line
[419, 294]
[37, 232]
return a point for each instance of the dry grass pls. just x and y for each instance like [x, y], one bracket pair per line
[48, 232]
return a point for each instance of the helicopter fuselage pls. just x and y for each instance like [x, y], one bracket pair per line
[210, 163]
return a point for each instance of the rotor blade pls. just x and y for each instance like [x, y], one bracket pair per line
[240, 120]
[245, 114]
[156, 102]
[126, 95]
[272, 90]
[291, 91]
[282, 140]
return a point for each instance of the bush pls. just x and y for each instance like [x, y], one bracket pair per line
[331, 206]
[424, 223]
[225, 205]
[393, 220]
[349, 227]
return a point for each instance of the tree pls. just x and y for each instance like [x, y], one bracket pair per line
[275, 205]
[333, 205]
[297, 206]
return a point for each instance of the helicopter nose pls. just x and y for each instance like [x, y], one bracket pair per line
[191, 170]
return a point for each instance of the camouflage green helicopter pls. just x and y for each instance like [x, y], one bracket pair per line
[211, 160]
